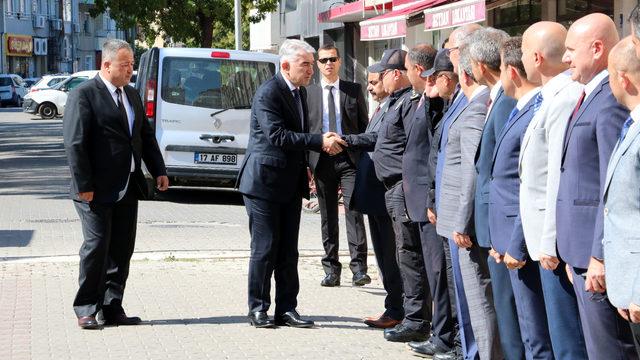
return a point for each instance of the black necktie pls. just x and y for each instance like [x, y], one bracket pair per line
[296, 97]
[333, 124]
[123, 111]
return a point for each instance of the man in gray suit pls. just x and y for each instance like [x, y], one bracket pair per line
[455, 208]
[621, 192]
[539, 171]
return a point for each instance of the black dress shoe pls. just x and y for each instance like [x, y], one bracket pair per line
[293, 319]
[454, 354]
[427, 348]
[361, 278]
[260, 319]
[121, 319]
[331, 280]
[402, 333]
[88, 322]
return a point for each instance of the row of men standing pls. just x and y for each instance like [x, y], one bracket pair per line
[520, 158]
[481, 172]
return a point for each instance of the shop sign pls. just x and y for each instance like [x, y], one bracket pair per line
[457, 14]
[386, 30]
[19, 45]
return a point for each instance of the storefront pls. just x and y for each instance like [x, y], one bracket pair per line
[19, 49]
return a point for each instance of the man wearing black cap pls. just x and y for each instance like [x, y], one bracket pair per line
[387, 159]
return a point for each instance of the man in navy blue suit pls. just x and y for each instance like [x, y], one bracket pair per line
[505, 228]
[484, 46]
[273, 180]
[591, 134]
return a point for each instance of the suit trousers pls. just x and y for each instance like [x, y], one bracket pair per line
[384, 247]
[417, 298]
[274, 251]
[479, 297]
[331, 173]
[635, 330]
[563, 315]
[443, 323]
[506, 314]
[469, 346]
[534, 329]
[109, 232]
[606, 334]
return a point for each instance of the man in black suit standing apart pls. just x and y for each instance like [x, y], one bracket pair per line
[338, 106]
[273, 180]
[106, 135]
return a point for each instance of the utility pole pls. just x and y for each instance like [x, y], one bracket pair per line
[238, 17]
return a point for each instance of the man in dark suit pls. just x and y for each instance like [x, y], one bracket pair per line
[338, 106]
[484, 48]
[273, 180]
[591, 134]
[507, 238]
[106, 136]
[368, 198]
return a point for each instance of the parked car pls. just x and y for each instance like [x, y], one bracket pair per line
[48, 81]
[31, 81]
[12, 89]
[49, 103]
[199, 103]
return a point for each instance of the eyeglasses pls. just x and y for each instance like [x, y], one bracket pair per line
[332, 59]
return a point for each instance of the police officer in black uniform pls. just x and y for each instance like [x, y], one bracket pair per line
[387, 159]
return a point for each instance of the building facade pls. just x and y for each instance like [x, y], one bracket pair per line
[52, 36]
[363, 29]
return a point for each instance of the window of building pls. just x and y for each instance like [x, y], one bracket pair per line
[290, 5]
[516, 16]
[570, 10]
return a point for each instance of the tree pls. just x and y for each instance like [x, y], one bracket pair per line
[203, 23]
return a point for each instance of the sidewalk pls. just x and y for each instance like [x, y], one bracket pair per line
[193, 309]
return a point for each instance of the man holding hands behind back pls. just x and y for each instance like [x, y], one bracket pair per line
[273, 180]
[106, 135]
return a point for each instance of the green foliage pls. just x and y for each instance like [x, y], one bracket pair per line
[201, 23]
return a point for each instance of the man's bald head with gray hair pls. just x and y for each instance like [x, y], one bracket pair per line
[292, 48]
[484, 46]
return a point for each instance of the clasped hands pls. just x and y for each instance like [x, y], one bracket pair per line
[332, 143]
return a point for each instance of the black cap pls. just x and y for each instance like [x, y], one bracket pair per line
[441, 63]
[392, 59]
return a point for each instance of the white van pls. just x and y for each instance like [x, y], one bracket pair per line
[199, 103]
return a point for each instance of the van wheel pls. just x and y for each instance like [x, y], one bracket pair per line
[47, 111]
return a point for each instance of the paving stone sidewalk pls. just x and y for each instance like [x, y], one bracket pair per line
[193, 309]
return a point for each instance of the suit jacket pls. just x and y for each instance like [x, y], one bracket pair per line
[458, 185]
[496, 119]
[275, 167]
[587, 148]
[99, 147]
[415, 162]
[621, 233]
[368, 192]
[353, 113]
[505, 228]
[539, 166]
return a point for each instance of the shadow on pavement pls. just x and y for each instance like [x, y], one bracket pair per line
[321, 321]
[15, 238]
[201, 196]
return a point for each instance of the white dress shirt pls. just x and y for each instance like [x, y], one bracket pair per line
[591, 85]
[325, 105]
[525, 99]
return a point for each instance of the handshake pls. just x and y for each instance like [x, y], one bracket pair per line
[332, 143]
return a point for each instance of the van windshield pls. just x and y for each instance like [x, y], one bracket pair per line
[5, 81]
[212, 83]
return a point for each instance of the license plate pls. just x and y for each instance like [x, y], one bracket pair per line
[215, 159]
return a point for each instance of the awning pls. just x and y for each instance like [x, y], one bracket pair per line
[393, 24]
[456, 14]
[355, 11]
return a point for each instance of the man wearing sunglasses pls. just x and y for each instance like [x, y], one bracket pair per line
[339, 106]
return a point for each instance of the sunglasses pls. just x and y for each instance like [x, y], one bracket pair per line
[332, 59]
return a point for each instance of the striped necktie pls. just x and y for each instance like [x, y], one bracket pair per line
[537, 102]
[625, 128]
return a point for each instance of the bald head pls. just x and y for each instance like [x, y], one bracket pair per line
[588, 43]
[622, 57]
[624, 73]
[542, 50]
